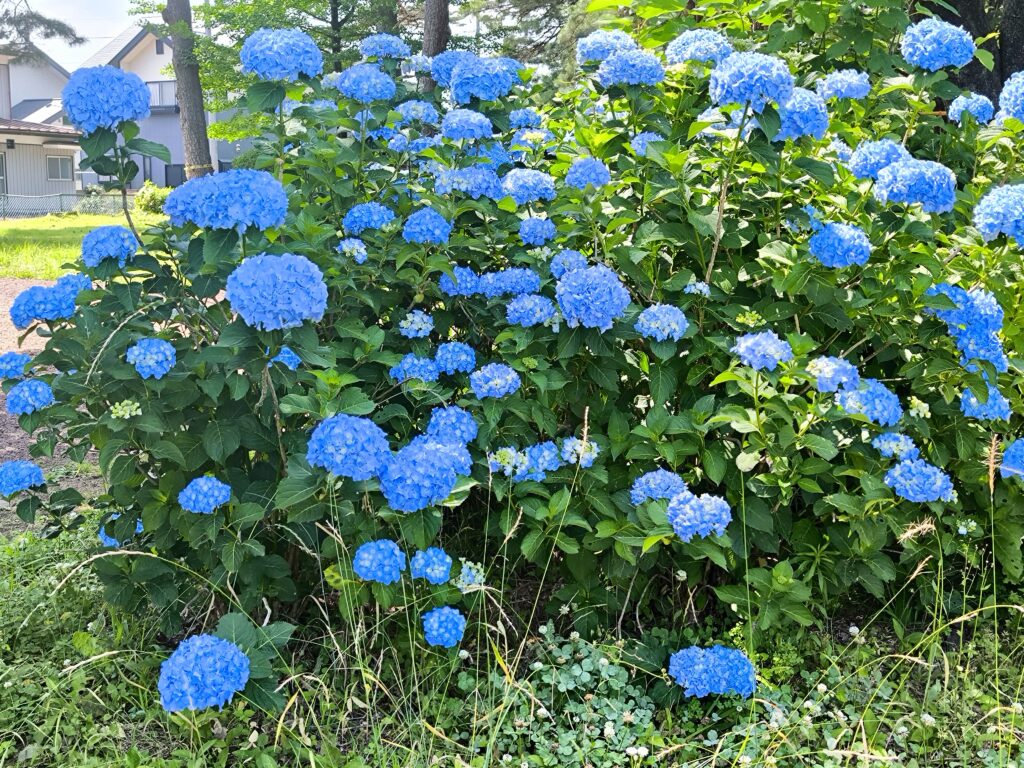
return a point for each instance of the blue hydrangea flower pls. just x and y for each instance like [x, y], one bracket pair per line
[455, 357]
[417, 111]
[1012, 463]
[12, 365]
[432, 564]
[917, 480]
[152, 358]
[602, 43]
[493, 153]
[1001, 210]
[271, 292]
[662, 322]
[444, 627]
[362, 82]
[365, 216]
[700, 516]
[466, 124]
[716, 670]
[699, 288]
[204, 671]
[53, 302]
[926, 182]
[844, 84]
[531, 138]
[752, 79]
[974, 323]
[975, 103]
[525, 185]
[452, 425]
[841, 150]
[413, 367]
[659, 484]
[698, 45]
[872, 400]
[565, 261]
[891, 444]
[426, 226]
[471, 575]
[996, 408]
[524, 118]
[28, 397]
[416, 324]
[592, 297]
[465, 283]
[354, 248]
[453, 454]
[587, 171]
[483, 78]
[18, 476]
[536, 230]
[582, 452]
[840, 245]
[443, 65]
[803, 114]
[281, 54]
[475, 181]
[512, 282]
[110, 242]
[381, 561]
[933, 44]
[420, 475]
[508, 460]
[633, 67]
[870, 157]
[110, 541]
[833, 373]
[104, 97]
[494, 380]
[236, 199]
[537, 461]
[1011, 98]
[384, 46]
[348, 446]
[762, 351]
[287, 358]
[204, 494]
[529, 310]
[641, 140]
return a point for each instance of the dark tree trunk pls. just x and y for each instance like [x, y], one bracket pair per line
[1011, 38]
[972, 16]
[178, 16]
[336, 33]
[436, 33]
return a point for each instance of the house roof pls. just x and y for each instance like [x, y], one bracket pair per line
[37, 110]
[113, 52]
[40, 55]
[38, 129]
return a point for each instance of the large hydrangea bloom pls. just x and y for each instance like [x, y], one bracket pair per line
[662, 322]
[362, 82]
[698, 516]
[933, 44]
[494, 380]
[871, 157]
[152, 358]
[418, 476]
[271, 292]
[599, 45]
[803, 114]
[281, 54]
[917, 480]
[108, 242]
[452, 424]
[715, 670]
[48, 302]
[751, 79]
[487, 79]
[632, 67]
[698, 45]
[529, 310]
[844, 84]
[204, 671]
[872, 400]
[18, 476]
[833, 373]
[1001, 211]
[455, 357]
[28, 397]
[593, 297]
[1011, 98]
[443, 627]
[466, 124]
[383, 46]
[432, 564]
[104, 97]
[443, 65]
[381, 561]
[12, 364]
[926, 182]
[204, 494]
[976, 104]
[363, 216]
[762, 351]
[426, 226]
[658, 484]
[348, 446]
[587, 171]
[236, 199]
[840, 245]
[526, 185]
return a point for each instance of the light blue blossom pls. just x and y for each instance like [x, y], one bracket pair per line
[1011, 98]
[272, 292]
[384, 46]
[29, 396]
[432, 564]
[466, 124]
[698, 516]
[476, 181]
[281, 54]
[414, 367]
[838, 245]
[926, 182]
[443, 65]
[420, 475]
[152, 358]
[870, 157]
[566, 260]
[235, 199]
[487, 79]
[872, 400]
[109, 242]
[662, 322]
[536, 231]
[444, 627]
[641, 140]
[494, 380]
[659, 484]
[833, 373]
[524, 118]
[417, 111]
[587, 171]
[974, 103]
[592, 297]
[416, 325]
[699, 288]
[632, 67]
[455, 357]
[1012, 462]
[803, 114]
[716, 670]
[537, 461]
[508, 282]
[508, 460]
[362, 82]
[452, 425]
[363, 216]
[354, 248]
[12, 364]
[582, 452]
[381, 561]
[933, 44]
[348, 446]
[203, 495]
[996, 407]
[287, 358]
[204, 671]
[704, 45]
[466, 282]
[104, 97]
[1001, 210]
[525, 185]
[48, 302]
[762, 351]
[917, 480]
[751, 79]
[426, 226]
[18, 476]
[844, 84]
[529, 310]
[602, 43]
[891, 444]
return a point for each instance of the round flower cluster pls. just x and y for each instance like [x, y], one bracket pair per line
[891, 444]
[18, 476]
[203, 495]
[752, 80]
[840, 245]
[524, 118]
[870, 157]
[1011, 98]
[104, 97]
[152, 358]
[698, 45]
[235, 199]
[444, 627]
[287, 358]
[487, 79]
[691, 515]
[844, 84]
[536, 230]
[415, 367]
[872, 400]
[455, 357]
[362, 82]
[1012, 463]
[417, 111]
[833, 373]
[659, 484]
[1001, 210]
[443, 65]
[348, 446]
[582, 452]
[420, 475]
[641, 140]
[432, 564]
[700, 288]
[803, 114]
[995, 407]
[762, 351]
[592, 297]
[365, 216]
[416, 325]
[526, 185]
[715, 670]
[384, 46]
[632, 67]
[125, 409]
[354, 248]
[452, 425]
[204, 671]
[926, 182]
[565, 261]
[917, 480]
[933, 44]
[534, 462]
[381, 561]
[974, 324]
[471, 575]
[109, 541]
[281, 54]
[602, 43]
[28, 397]
[12, 364]
[980, 107]
[110, 242]
[586, 171]
[272, 292]
[466, 124]
[494, 380]
[475, 181]
[426, 226]
[48, 302]
[529, 310]
[662, 322]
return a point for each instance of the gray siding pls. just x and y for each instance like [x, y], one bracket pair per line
[26, 169]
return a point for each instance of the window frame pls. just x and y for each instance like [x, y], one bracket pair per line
[59, 159]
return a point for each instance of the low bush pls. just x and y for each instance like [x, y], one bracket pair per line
[150, 198]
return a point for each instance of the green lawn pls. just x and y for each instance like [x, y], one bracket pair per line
[39, 247]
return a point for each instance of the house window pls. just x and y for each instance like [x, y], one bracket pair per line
[3, 174]
[58, 168]
[159, 47]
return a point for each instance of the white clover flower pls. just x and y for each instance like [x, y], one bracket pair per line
[574, 636]
[542, 713]
[609, 730]
[927, 720]
[822, 688]
[854, 630]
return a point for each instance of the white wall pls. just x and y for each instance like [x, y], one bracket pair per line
[146, 63]
[35, 81]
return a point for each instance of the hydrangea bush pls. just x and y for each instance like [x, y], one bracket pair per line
[718, 310]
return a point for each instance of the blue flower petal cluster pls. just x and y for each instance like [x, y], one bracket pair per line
[104, 97]
[362, 82]
[494, 380]
[698, 45]
[536, 461]
[844, 84]
[602, 43]
[110, 242]
[1001, 210]
[483, 78]
[443, 65]
[592, 297]
[417, 111]
[287, 358]
[587, 171]
[509, 461]
[236, 199]
[453, 454]
[529, 310]
[432, 564]
[444, 627]
[466, 124]
[840, 245]
[384, 46]
[870, 157]
[565, 261]
[634, 67]
[354, 248]
[204, 671]
[933, 44]
[762, 351]
[524, 118]
[476, 181]
[381, 561]
[525, 185]
[48, 302]
[1011, 98]
[531, 138]
[691, 515]
[700, 288]
[452, 425]
[662, 322]
[281, 54]
[348, 446]
[976, 104]
[1012, 463]
[926, 182]
[416, 325]
[891, 444]
[659, 484]
[996, 408]
[535, 230]
[841, 150]
[204, 494]
[974, 324]
[29, 396]
[271, 292]
[833, 373]
[752, 79]
[493, 153]
[152, 358]
[508, 282]
[110, 541]
[363, 216]
[715, 670]
[426, 226]
[455, 357]
[470, 575]
[803, 114]
[872, 400]
[18, 476]
[582, 452]
[12, 364]
[641, 140]
[420, 475]
[466, 282]
[917, 480]
[414, 367]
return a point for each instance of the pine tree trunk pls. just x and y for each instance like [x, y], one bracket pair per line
[178, 16]
[436, 33]
[1011, 38]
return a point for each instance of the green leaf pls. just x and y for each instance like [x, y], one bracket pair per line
[220, 440]
[265, 96]
[149, 148]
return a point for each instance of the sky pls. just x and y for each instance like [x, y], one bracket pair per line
[96, 20]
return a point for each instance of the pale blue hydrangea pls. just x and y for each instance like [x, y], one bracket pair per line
[1012, 463]
[536, 231]
[566, 260]
[452, 424]
[1001, 210]
[444, 627]
[926, 182]
[381, 561]
[530, 138]
[287, 358]
[426, 226]
[662, 322]
[414, 367]
[704, 45]
[470, 575]
[383, 46]
[443, 65]
[18, 476]
[891, 444]
[592, 297]
[996, 407]
[974, 324]
[698, 516]
[455, 357]
[363, 216]
[762, 351]
[871, 157]
[833, 373]
[48, 302]
[803, 114]
[110, 541]
[204, 671]
[974, 103]
[417, 111]
[659, 484]
[416, 325]
[587, 171]
[487, 79]
[525, 185]
[465, 282]
[842, 150]
[109, 242]
[917, 480]
[12, 364]
[524, 118]
[281, 54]
[476, 181]
[152, 358]
[494, 380]
[354, 248]
[577, 451]
[752, 79]
[529, 310]
[602, 43]
[104, 97]
[348, 446]
[933, 44]
[633, 67]
[838, 245]
[844, 84]
[639, 142]
[29, 396]
[272, 292]
[203, 495]
[508, 282]
[362, 82]
[872, 400]
[699, 288]
[537, 461]
[716, 670]
[432, 564]
[508, 460]
[492, 153]
[422, 474]
[466, 124]
[1011, 98]
[236, 199]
